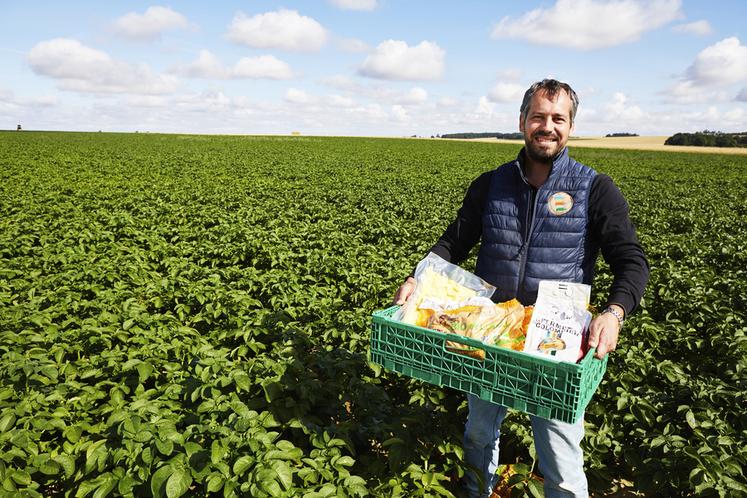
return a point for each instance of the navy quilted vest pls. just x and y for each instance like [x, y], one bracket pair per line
[520, 248]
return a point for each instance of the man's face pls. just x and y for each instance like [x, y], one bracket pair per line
[547, 125]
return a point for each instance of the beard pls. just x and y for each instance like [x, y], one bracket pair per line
[542, 152]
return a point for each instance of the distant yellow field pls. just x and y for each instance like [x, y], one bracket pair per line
[637, 143]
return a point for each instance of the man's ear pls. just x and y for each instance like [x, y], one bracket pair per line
[521, 123]
[573, 128]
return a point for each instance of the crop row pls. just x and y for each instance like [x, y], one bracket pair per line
[184, 315]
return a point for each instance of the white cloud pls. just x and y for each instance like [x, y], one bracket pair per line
[147, 101]
[296, 96]
[619, 111]
[699, 28]
[9, 98]
[589, 24]
[353, 45]
[263, 66]
[506, 93]
[414, 96]
[208, 66]
[447, 102]
[207, 101]
[686, 92]
[723, 63]
[341, 82]
[83, 69]
[736, 116]
[149, 25]
[395, 60]
[355, 4]
[340, 101]
[742, 96]
[484, 106]
[400, 113]
[282, 29]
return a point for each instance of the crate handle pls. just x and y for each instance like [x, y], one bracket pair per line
[470, 351]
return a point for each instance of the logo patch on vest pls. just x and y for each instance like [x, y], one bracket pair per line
[560, 203]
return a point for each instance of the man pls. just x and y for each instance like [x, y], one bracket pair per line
[543, 216]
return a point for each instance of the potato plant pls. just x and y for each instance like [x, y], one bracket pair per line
[188, 316]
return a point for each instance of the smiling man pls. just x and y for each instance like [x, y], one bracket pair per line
[543, 216]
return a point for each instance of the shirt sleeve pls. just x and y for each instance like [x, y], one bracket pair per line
[613, 231]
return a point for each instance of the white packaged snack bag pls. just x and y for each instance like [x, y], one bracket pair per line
[560, 321]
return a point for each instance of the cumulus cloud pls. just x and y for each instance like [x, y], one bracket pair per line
[354, 4]
[723, 63]
[399, 113]
[80, 68]
[619, 110]
[340, 101]
[149, 25]
[282, 29]
[414, 96]
[506, 93]
[447, 102]
[699, 28]
[263, 66]
[589, 24]
[296, 96]
[10, 101]
[484, 106]
[395, 60]
[208, 66]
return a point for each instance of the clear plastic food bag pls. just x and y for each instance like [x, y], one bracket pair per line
[438, 280]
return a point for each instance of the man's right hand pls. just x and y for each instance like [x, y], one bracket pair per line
[404, 291]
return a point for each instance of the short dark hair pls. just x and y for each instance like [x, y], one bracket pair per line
[551, 87]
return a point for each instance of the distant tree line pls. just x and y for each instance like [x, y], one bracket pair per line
[709, 139]
[506, 136]
[621, 135]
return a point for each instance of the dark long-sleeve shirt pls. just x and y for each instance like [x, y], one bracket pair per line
[609, 225]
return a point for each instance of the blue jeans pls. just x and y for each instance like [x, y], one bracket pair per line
[558, 446]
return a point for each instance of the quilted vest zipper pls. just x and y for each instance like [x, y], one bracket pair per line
[524, 251]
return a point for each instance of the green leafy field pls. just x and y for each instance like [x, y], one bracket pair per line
[188, 315]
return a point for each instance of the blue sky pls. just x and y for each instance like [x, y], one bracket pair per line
[369, 67]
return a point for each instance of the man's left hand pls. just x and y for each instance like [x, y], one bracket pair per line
[603, 332]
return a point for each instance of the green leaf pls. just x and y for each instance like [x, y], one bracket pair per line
[536, 488]
[214, 482]
[165, 447]
[21, 477]
[67, 463]
[125, 485]
[284, 472]
[158, 480]
[73, 433]
[8, 420]
[242, 464]
[105, 487]
[86, 487]
[690, 418]
[217, 451]
[242, 380]
[178, 483]
[144, 370]
[50, 467]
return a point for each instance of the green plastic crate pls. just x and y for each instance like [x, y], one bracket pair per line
[546, 388]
